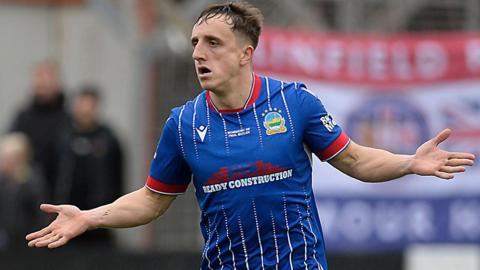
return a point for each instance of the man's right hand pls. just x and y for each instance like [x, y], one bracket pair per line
[69, 223]
[133, 209]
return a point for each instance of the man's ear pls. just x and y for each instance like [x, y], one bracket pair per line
[247, 55]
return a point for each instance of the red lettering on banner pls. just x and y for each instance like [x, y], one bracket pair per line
[368, 59]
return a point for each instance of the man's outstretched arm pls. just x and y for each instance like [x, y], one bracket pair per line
[376, 165]
[133, 209]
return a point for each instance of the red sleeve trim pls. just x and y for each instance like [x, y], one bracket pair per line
[158, 186]
[334, 148]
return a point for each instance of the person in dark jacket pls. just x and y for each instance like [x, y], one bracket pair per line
[91, 169]
[45, 121]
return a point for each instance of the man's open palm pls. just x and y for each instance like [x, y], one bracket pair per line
[68, 224]
[429, 159]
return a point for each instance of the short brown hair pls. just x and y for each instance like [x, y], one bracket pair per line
[243, 18]
[90, 90]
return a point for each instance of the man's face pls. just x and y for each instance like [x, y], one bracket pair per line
[45, 81]
[85, 111]
[217, 53]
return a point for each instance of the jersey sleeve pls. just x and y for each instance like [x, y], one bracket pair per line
[322, 135]
[169, 172]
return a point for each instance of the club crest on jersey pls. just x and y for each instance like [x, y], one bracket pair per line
[274, 122]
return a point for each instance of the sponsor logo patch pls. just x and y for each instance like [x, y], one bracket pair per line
[202, 131]
[238, 132]
[328, 122]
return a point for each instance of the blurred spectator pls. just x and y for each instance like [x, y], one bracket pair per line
[44, 121]
[91, 167]
[21, 191]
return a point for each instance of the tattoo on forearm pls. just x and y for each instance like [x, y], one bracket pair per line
[106, 213]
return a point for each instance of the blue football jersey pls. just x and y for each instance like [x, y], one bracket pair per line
[252, 173]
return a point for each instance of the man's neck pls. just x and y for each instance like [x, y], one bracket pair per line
[234, 95]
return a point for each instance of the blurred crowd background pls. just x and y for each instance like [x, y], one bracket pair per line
[85, 86]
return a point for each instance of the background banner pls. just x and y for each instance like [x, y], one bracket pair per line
[392, 92]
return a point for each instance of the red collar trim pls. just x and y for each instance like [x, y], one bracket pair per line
[257, 86]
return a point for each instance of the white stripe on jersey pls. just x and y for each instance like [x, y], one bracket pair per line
[244, 245]
[193, 125]
[207, 243]
[304, 237]
[165, 193]
[228, 237]
[339, 151]
[311, 230]
[209, 128]
[288, 231]
[218, 248]
[258, 232]
[308, 91]
[180, 130]
[288, 113]
[239, 120]
[225, 133]
[258, 125]
[268, 94]
[275, 240]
